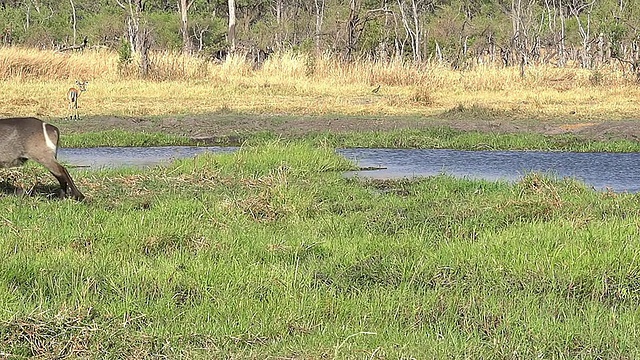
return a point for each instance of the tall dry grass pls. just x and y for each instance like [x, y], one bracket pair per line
[32, 64]
[34, 82]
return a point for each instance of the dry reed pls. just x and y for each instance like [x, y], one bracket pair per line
[34, 83]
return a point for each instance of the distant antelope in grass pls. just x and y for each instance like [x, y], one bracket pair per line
[22, 139]
[72, 95]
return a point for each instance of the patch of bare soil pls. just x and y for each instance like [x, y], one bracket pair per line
[227, 127]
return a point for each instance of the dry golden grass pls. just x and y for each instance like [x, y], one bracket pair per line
[35, 82]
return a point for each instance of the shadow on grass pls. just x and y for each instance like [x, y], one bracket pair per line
[48, 191]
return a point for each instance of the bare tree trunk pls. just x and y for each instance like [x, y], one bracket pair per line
[398, 45]
[515, 24]
[279, 6]
[139, 36]
[383, 47]
[411, 27]
[27, 19]
[73, 18]
[278, 38]
[562, 49]
[522, 18]
[183, 7]
[351, 29]
[200, 37]
[319, 20]
[463, 40]
[601, 58]
[585, 33]
[416, 26]
[491, 48]
[144, 44]
[232, 25]
[439, 53]
[133, 22]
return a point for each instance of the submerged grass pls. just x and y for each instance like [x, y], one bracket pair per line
[270, 252]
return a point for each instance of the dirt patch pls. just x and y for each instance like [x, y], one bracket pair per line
[578, 126]
[237, 126]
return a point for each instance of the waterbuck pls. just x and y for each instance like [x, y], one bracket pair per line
[22, 139]
[72, 95]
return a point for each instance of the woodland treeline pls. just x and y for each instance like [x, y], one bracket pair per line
[461, 33]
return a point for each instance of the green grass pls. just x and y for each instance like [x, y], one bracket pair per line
[123, 138]
[435, 138]
[271, 252]
[448, 138]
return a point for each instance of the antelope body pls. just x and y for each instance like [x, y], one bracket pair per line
[22, 139]
[72, 95]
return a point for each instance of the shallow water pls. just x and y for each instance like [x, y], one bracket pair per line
[619, 172]
[112, 157]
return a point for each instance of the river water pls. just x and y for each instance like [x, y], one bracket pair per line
[619, 172]
[112, 157]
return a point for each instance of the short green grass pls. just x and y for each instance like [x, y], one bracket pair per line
[123, 138]
[271, 252]
[433, 138]
[448, 138]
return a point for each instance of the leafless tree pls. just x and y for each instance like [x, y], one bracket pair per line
[278, 9]
[73, 19]
[556, 13]
[183, 8]
[319, 19]
[523, 41]
[584, 29]
[356, 24]
[198, 34]
[139, 36]
[411, 22]
[134, 9]
[232, 25]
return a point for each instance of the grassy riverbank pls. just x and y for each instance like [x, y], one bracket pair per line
[270, 252]
[434, 138]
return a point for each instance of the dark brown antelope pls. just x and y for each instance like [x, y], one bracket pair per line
[22, 139]
[72, 95]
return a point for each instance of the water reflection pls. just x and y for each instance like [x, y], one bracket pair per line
[616, 171]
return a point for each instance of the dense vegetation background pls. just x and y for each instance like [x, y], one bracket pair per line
[461, 33]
